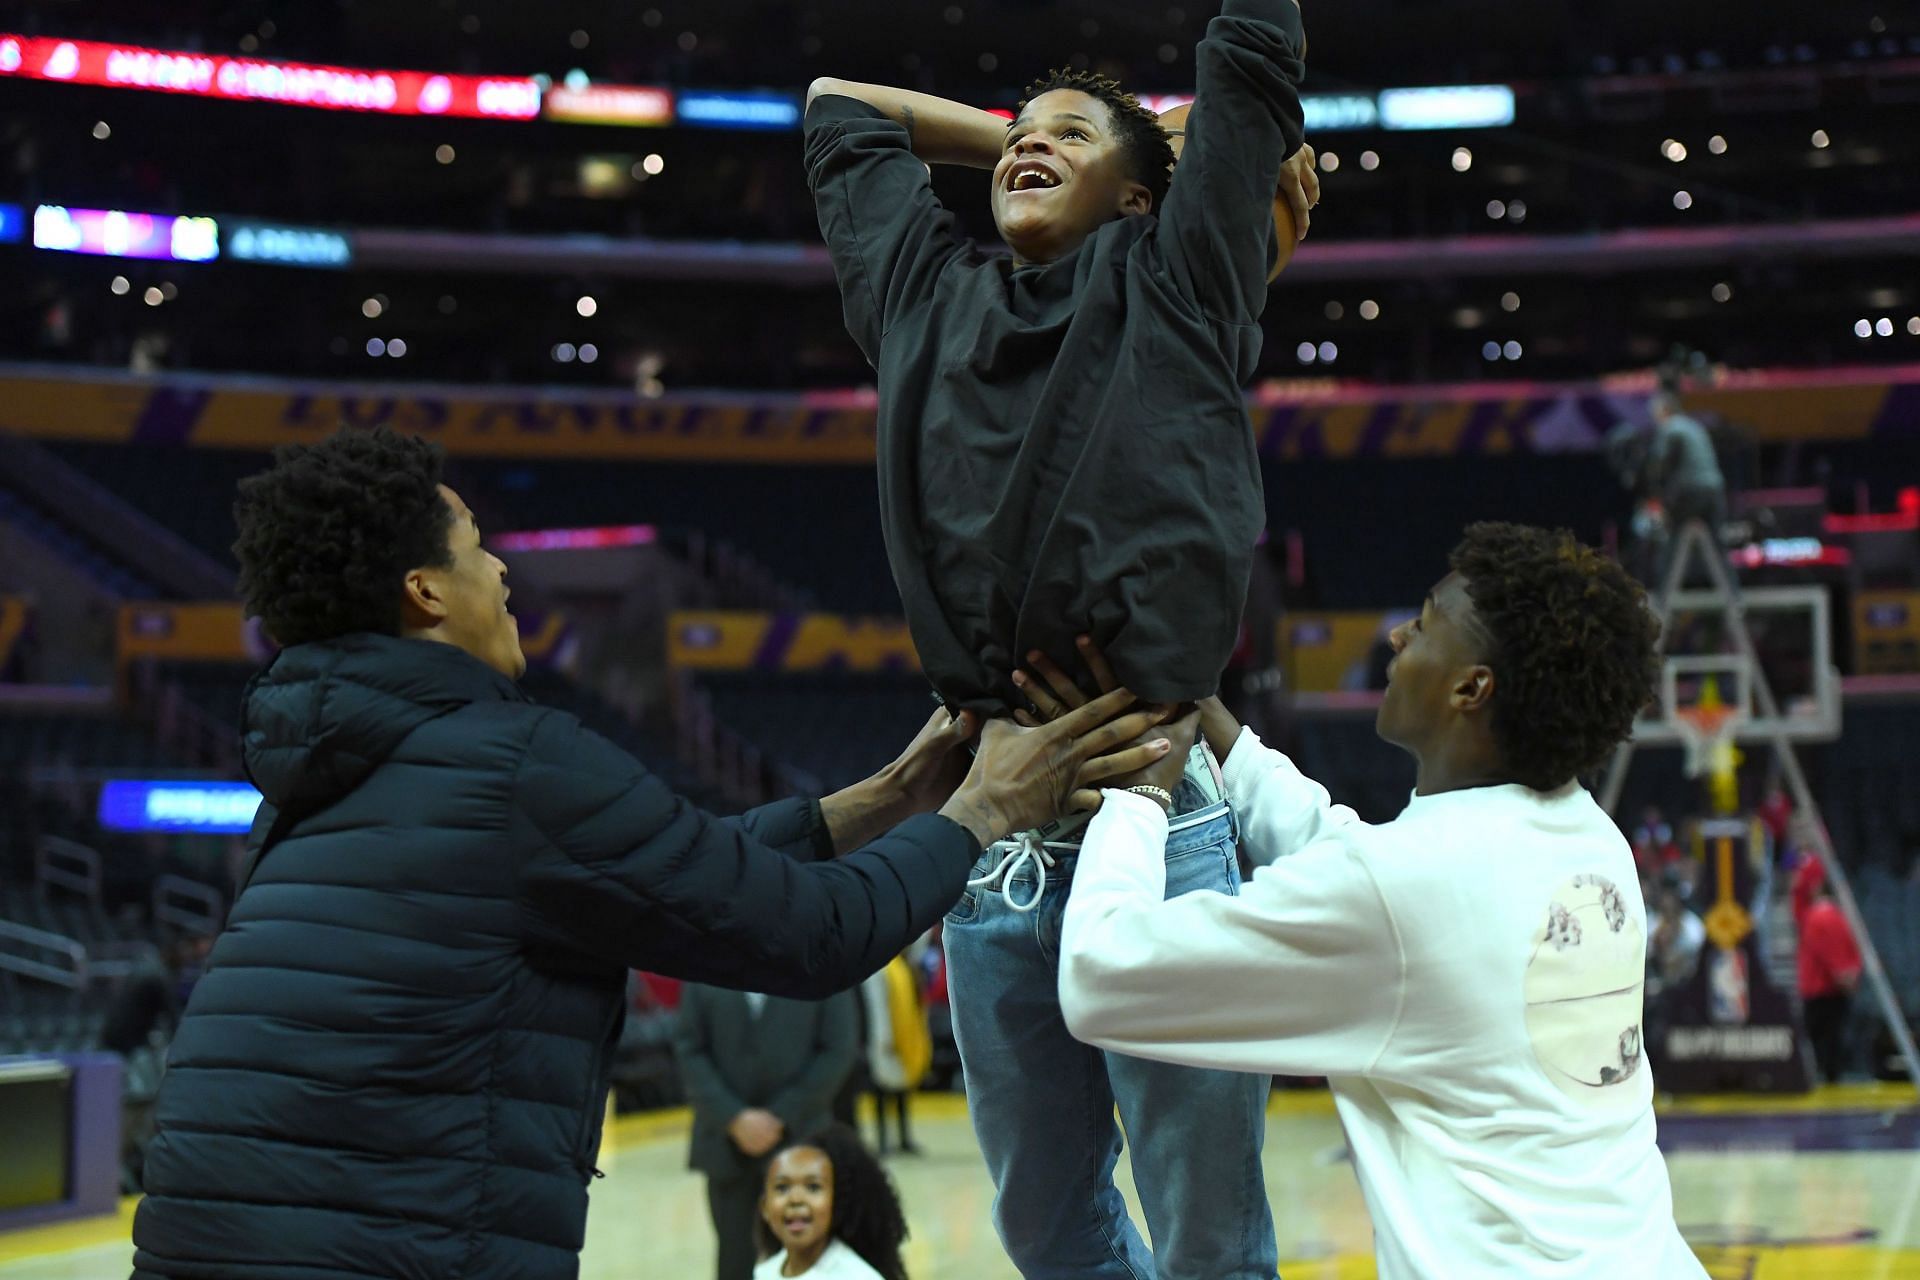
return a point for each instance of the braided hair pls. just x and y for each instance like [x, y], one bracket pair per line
[1148, 151]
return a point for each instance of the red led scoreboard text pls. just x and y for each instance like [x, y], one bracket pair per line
[400, 93]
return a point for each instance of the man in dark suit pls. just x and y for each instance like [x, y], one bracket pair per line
[759, 1069]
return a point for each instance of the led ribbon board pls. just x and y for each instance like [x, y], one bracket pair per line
[287, 246]
[624, 104]
[114, 233]
[1459, 106]
[399, 93]
[206, 808]
[1468, 106]
[755, 110]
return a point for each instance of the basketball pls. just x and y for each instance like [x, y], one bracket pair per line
[1174, 121]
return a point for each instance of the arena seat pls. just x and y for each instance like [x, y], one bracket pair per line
[829, 728]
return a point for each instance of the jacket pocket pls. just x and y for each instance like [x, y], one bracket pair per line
[593, 1108]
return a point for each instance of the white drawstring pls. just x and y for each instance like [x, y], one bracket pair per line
[1031, 850]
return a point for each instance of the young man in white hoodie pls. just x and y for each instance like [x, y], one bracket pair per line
[1468, 976]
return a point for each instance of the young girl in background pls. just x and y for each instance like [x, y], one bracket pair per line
[830, 1212]
[899, 1045]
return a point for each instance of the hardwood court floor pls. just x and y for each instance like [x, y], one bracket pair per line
[1819, 1188]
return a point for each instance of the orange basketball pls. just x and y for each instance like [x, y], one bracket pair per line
[1174, 121]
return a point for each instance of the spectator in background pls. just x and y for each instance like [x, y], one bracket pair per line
[1655, 851]
[1775, 812]
[899, 1046]
[830, 1211]
[846, 1099]
[946, 1054]
[1809, 875]
[760, 1070]
[147, 1006]
[644, 1074]
[139, 1022]
[1673, 945]
[1829, 973]
[1688, 473]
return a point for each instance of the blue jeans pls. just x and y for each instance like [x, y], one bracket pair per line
[1043, 1103]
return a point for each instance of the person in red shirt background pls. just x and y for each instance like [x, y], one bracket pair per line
[1829, 966]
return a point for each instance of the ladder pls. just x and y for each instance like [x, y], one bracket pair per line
[1696, 548]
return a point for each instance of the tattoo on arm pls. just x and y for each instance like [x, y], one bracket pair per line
[906, 118]
[856, 816]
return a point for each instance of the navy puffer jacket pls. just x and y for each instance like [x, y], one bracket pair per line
[397, 1062]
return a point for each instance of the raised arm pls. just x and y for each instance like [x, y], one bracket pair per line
[1281, 809]
[1302, 973]
[888, 234]
[623, 869]
[1216, 227]
[939, 131]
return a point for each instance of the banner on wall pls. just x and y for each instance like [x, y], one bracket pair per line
[1325, 652]
[838, 427]
[1725, 1027]
[221, 632]
[215, 632]
[721, 640]
[15, 613]
[1886, 633]
[1322, 652]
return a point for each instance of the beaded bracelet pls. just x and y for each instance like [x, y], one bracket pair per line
[1159, 795]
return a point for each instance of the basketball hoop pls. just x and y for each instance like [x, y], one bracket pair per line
[1704, 730]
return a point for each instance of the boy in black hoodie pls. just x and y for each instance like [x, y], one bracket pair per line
[1064, 449]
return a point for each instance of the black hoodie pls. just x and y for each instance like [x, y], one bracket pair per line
[397, 1062]
[1065, 448]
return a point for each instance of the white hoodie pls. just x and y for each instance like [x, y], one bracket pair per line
[1467, 976]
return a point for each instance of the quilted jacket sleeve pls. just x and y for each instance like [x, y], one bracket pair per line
[796, 828]
[620, 868]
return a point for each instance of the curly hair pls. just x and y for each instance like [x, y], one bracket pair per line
[867, 1216]
[1575, 649]
[1145, 144]
[329, 531]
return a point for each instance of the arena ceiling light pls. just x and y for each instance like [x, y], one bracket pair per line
[400, 93]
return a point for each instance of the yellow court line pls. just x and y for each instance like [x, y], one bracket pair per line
[1870, 1096]
[67, 1237]
[1760, 1262]
[641, 1127]
[674, 1124]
